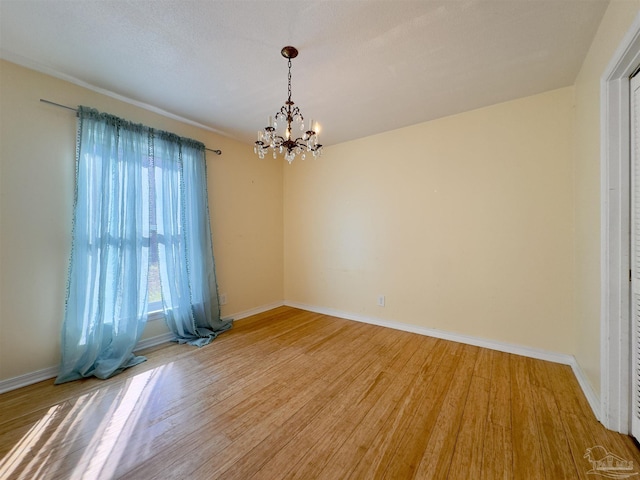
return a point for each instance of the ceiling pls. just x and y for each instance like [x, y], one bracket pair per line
[364, 67]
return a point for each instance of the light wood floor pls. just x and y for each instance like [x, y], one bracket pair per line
[293, 394]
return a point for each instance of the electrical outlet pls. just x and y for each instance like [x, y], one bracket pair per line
[223, 299]
[381, 300]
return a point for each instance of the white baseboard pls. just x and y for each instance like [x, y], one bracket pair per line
[28, 379]
[587, 389]
[254, 311]
[153, 341]
[562, 358]
[52, 372]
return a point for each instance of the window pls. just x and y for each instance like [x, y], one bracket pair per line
[141, 240]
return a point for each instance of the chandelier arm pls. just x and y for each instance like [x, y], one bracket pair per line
[301, 143]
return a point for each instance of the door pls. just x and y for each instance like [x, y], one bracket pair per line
[634, 95]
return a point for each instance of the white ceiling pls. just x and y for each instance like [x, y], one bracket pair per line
[364, 66]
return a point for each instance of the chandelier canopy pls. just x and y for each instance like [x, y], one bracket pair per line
[290, 117]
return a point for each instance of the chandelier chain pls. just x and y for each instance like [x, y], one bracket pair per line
[289, 87]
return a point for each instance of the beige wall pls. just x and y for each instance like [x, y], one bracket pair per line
[614, 25]
[485, 223]
[37, 148]
[465, 224]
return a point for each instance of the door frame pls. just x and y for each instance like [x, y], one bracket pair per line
[615, 135]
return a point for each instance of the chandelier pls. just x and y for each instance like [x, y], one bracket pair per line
[290, 117]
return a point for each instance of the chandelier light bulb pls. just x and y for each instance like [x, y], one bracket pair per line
[286, 116]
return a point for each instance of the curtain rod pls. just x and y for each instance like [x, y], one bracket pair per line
[217, 152]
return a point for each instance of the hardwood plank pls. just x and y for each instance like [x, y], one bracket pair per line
[43, 395]
[345, 459]
[538, 372]
[469, 447]
[525, 437]
[585, 433]
[497, 456]
[243, 409]
[500, 393]
[580, 437]
[209, 453]
[564, 385]
[484, 362]
[556, 453]
[334, 421]
[388, 449]
[353, 423]
[295, 394]
[332, 430]
[439, 448]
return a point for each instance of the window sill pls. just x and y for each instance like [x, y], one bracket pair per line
[155, 315]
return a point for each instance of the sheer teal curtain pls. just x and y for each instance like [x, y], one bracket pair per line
[127, 174]
[187, 272]
[106, 307]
